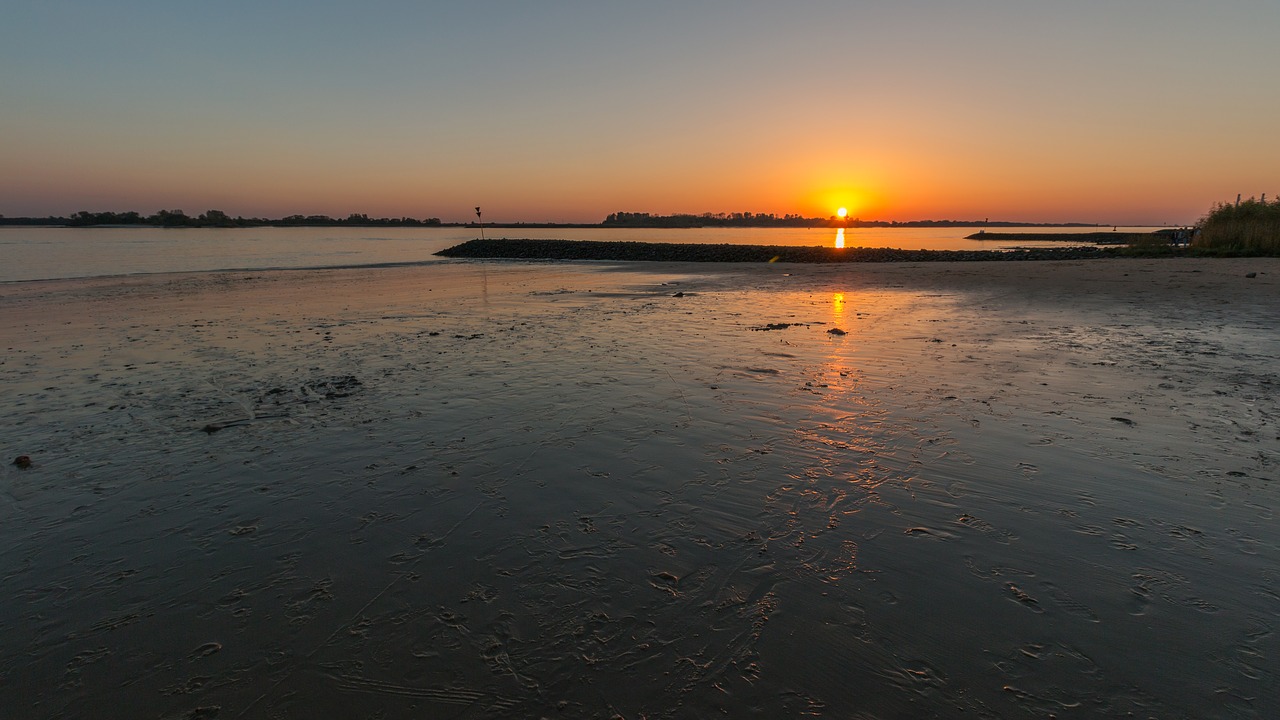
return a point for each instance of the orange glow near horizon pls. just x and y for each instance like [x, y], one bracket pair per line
[826, 193]
[877, 190]
[955, 132]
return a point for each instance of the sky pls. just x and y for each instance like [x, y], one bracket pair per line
[1117, 111]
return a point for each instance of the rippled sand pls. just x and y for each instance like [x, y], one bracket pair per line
[482, 490]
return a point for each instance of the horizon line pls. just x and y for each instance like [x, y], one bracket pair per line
[740, 218]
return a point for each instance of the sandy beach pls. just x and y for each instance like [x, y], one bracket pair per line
[483, 489]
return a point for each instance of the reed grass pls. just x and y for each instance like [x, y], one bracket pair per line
[1251, 227]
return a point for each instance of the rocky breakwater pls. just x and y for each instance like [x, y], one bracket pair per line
[681, 252]
[1160, 237]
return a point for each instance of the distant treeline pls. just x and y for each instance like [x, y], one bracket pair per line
[748, 219]
[738, 219]
[215, 218]
[218, 218]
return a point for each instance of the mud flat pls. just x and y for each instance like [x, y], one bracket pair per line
[496, 489]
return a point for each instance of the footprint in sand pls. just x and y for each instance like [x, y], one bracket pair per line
[1069, 604]
[1139, 599]
[1001, 536]
[1021, 596]
[666, 582]
[205, 650]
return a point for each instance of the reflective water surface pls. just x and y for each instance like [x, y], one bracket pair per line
[43, 253]
[575, 498]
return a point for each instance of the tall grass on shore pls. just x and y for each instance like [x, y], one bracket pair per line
[1249, 227]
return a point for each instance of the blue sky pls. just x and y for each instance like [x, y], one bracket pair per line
[1109, 112]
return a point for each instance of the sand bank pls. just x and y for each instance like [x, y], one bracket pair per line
[543, 249]
[515, 490]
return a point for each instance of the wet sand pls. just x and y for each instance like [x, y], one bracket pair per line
[487, 489]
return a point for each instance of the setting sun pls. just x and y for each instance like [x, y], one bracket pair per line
[843, 212]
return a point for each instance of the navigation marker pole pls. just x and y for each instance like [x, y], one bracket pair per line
[481, 219]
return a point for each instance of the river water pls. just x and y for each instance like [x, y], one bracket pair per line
[44, 253]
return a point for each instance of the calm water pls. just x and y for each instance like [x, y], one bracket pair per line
[47, 253]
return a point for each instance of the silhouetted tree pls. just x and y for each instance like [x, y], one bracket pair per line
[170, 218]
[216, 218]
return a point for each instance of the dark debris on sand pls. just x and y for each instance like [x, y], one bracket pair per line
[325, 388]
[681, 252]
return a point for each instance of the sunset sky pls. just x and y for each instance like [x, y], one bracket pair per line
[1116, 111]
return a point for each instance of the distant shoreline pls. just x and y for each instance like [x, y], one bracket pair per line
[531, 249]
[1114, 237]
[815, 224]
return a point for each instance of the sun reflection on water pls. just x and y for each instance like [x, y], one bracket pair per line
[839, 237]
